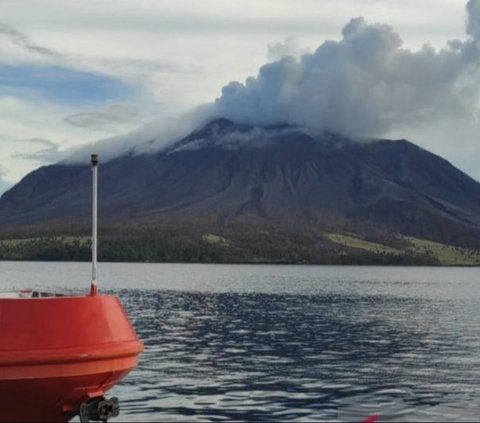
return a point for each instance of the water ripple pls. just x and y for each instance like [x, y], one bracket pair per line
[269, 357]
[290, 343]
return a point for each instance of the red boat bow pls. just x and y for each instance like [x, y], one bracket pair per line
[57, 353]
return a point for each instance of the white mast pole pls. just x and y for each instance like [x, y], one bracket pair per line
[93, 288]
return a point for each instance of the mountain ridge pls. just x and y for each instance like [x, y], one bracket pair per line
[225, 173]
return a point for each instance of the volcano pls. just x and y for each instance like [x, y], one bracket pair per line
[228, 172]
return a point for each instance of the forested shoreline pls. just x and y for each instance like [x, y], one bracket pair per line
[241, 246]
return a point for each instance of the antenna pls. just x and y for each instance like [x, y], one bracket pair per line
[93, 287]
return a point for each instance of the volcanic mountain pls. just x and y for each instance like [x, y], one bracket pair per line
[228, 172]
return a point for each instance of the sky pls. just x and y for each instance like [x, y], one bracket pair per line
[73, 72]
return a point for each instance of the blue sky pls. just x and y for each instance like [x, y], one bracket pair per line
[62, 85]
[74, 72]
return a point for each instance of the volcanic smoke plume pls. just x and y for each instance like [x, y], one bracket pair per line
[363, 85]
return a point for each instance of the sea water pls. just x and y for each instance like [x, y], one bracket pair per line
[289, 343]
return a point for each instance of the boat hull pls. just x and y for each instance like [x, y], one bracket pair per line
[57, 353]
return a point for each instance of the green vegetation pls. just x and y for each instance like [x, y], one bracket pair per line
[441, 254]
[447, 255]
[240, 243]
[215, 239]
[46, 249]
[353, 241]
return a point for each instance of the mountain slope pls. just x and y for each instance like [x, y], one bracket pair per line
[227, 172]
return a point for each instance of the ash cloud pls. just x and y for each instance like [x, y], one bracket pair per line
[291, 47]
[473, 19]
[253, 137]
[366, 84]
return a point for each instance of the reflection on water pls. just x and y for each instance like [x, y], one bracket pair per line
[229, 356]
[295, 343]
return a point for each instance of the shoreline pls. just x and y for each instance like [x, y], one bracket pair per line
[251, 263]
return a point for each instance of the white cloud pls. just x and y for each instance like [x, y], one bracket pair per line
[21, 122]
[146, 139]
[178, 53]
[48, 151]
[108, 119]
[4, 184]
[21, 40]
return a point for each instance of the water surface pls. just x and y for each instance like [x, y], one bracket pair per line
[271, 343]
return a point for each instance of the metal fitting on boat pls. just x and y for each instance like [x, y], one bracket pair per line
[99, 409]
